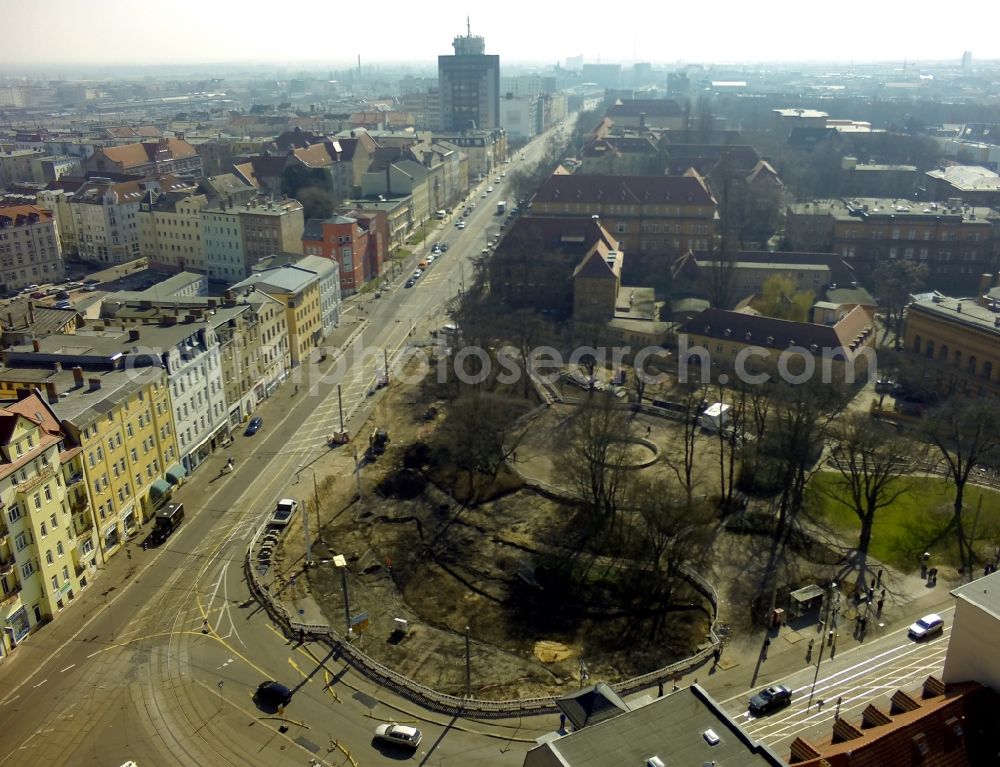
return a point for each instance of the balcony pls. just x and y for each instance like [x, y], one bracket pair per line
[74, 480]
[78, 504]
[6, 565]
[29, 485]
[11, 596]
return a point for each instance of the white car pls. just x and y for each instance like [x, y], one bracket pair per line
[398, 734]
[461, 225]
[489, 189]
[283, 514]
[927, 626]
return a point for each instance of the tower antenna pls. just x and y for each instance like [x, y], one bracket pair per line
[468, 27]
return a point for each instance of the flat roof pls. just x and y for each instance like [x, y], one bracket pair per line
[983, 592]
[964, 311]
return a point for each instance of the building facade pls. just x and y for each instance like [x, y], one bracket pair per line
[170, 233]
[30, 252]
[469, 86]
[41, 568]
[647, 214]
[104, 218]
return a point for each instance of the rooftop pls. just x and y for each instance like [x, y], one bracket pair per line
[865, 208]
[983, 592]
[962, 311]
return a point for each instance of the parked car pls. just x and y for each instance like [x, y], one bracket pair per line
[274, 693]
[410, 282]
[444, 247]
[461, 225]
[399, 735]
[927, 627]
[62, 305]
[38, 294]
[253, 426]
[284, 512]
[770, 699]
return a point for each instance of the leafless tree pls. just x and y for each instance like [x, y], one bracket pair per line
[963, 433]
[690, 399]
[874, 462]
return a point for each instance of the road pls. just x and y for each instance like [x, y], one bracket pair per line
[160, 667]
[865, 674]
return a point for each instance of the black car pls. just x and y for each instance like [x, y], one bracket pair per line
[444, 247]
[770, 699]
[254, 426]
[410, 282]
[274, 693]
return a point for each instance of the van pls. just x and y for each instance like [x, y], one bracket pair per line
[440, 215]
[167, 520]
[423, 264]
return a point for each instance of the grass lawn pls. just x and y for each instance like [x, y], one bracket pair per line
[913, 524]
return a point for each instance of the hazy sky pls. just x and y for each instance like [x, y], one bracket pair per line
[174, 31]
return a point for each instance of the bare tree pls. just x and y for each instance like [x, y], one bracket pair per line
[873, 461]
[689, 400]
[595, 461]
[896, 281]
[964, 433]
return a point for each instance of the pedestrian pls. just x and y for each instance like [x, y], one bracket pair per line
[839, 701]
[871, 594]
[829, 638]
[878, 608]
[878, 578]
[717, 655]
[819, 704]
[660, 694]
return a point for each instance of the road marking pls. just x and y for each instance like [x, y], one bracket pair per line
[95, 653]
[71, 665]
[40, 683]
[11, 700]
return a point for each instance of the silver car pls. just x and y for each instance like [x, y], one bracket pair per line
[399, 734]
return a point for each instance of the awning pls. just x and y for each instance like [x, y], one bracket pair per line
[159, 488]
[175, 474]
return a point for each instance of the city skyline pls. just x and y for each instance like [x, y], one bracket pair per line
[185, 32]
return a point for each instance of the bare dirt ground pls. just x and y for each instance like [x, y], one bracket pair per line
[494, 568]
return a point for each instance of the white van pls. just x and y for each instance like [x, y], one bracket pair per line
[440, 215]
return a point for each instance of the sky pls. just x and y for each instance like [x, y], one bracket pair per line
[115, 32]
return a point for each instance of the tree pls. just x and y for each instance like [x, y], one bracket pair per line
[673, 534]
[896, 281]
[872, 460]
[296, 176]
[479, 433]
[963, 433]
[595, 461]
[692, 401]
[316, 202]
[781, 300]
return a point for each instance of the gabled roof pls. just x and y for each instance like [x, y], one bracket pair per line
[649, 107]
[144, 152]
[595, 264]
[628, 190]
[773, 333]
[314, 156]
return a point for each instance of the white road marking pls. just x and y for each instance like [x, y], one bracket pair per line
[40, 683]
[63, 671]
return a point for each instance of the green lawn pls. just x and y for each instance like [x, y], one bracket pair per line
[912, 525]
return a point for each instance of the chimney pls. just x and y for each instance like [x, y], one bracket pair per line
[78, 376]
[133, 334]
[958, 307]
[95, 383]
[36, 344]
[50, 391]
[31, 313]
[57, 366]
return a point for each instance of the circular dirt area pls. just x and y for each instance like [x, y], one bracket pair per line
[639, 453]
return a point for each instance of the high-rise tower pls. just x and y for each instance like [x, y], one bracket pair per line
[469, 84]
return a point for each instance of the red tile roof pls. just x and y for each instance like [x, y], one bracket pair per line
[626, 190]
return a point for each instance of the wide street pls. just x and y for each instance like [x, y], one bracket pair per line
[158, 661]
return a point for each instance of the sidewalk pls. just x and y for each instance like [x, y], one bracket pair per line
[788, 647]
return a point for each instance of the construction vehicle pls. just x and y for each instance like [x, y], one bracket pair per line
[377, 442]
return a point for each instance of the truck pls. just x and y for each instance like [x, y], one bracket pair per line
[501, 207]
[168, 519]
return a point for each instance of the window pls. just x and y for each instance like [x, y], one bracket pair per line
[65, 573]
[55, 583]
[15, 513]
[48, 557]
[53, 521]
[43, 530]
[21, 541]
[27, 570]
[37, 498]
[59, 548]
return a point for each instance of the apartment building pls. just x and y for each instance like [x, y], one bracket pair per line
[30, 252]
[956, 344]
[298, 290]
[57, 202]
[15, 166]
[42, 568]
[270, 227]
[647, 214]
[104, 218]
[955, 242]
[164, 156]
[344, 242]
[170, 233]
